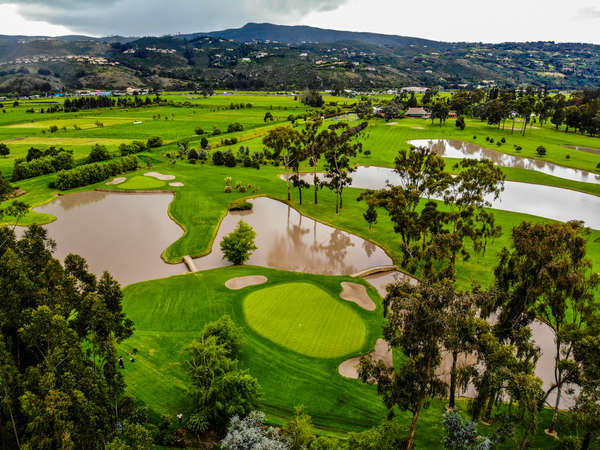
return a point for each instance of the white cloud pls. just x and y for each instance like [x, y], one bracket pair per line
[157, 17]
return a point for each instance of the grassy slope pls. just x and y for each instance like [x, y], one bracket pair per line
[170, 313]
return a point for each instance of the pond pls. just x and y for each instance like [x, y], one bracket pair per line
[535, 199]
[288, 240]
[126, 234]
[122, 233]
[450, 148]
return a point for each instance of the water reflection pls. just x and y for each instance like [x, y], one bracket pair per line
[289, 241]
[450, 148]
[535, 199]
[122, 233]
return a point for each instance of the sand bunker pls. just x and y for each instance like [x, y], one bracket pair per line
[176, 184]
[392, 123]
[357, 293]
[242, 282]
[116, 181]
[382, 352]
[159, 176]
[417, 128]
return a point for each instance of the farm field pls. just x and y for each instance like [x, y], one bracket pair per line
[296, 328]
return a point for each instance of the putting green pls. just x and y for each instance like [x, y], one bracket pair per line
[140, 182]
[305, 319]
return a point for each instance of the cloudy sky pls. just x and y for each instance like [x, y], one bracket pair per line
[447, 20]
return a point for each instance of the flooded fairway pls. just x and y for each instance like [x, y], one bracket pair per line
[122, 233]
[126, 234]
[288, 240]
[535, 199]
[450, 148]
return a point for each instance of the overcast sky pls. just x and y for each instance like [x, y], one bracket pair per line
[446, 20]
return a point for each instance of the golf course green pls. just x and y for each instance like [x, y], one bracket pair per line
[305, 319]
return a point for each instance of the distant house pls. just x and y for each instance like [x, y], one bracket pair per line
[419, 113]
[452, 115]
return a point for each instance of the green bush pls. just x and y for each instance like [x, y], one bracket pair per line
[238, 245]
[130, 149]
[63, 160]
[240, 205]
[99, 153]
[154, 142]
[218, 159]
[94, 173]
[199, 131]
[233, 127]
[541, 150]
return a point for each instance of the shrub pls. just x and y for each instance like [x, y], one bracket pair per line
[99, 153]
[53, 129]
[4, 150]
[541, 150]
[228, 181]
[229, 159]
[204, 142]
[367, 153]
[130, 149]
[50, 163]
[218, 159]
[233, 127]
[239, 244]
[503, 140]
[199, 131]
[598, 166]
[252, 433]
[94, 173]
[475, 138]
[568, 157]
[154, 142]
[216, 131]
[193, 155]
[460, 122]
[228, 190]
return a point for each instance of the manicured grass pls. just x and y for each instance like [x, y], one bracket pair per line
[141, 182]
[305, 319]
[170, 313]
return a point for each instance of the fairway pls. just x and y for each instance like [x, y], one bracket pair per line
[305, 319]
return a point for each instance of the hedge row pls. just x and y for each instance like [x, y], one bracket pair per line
[42, 166]
[94, 173]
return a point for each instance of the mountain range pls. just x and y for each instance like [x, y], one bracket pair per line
[275, 57]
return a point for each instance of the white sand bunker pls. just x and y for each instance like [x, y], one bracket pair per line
[392, 123]
[242, 282]
[176, 184]
[417, 128]
[159, 176]
[118, 180]
[357, 293]
[382, 352]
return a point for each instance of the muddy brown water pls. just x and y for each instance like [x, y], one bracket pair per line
[290, 241]
[124, 234]
[450, 148]
[542, 334]
[535, 199]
